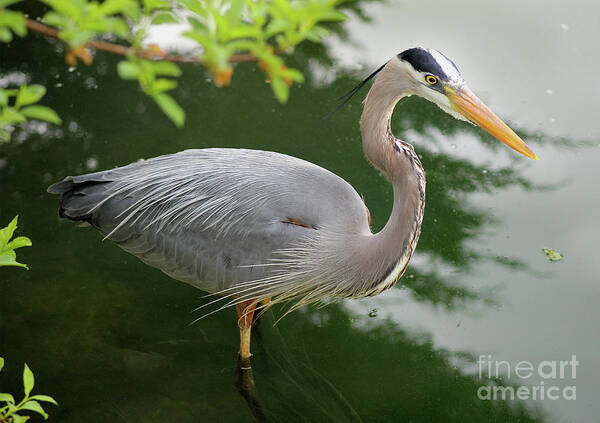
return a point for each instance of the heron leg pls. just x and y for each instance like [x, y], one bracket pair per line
[245, 312]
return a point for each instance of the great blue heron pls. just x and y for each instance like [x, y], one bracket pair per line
[252, 226]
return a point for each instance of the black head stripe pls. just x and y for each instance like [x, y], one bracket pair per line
[423, 61]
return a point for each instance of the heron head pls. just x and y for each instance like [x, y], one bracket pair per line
[435, 77]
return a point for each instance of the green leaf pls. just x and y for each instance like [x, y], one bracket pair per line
[552, 255]
[10, 115]
[4, 3]
[28, 380]
[44, 398]
[7, 233]
[5, 35]
[276, 26]
[55, 19]
[150, 5]
[33, 405]
[294, 75]
[316, 34]
[7, 398]
[244, 31]
[29, 95]
[113, 25]
[170, 108]
[70, 9]
[281, 89]
[333, 15]
[9, 258]
[21, 241]
[166, 68]
[15, 21]
[234, 13]
[164, 18]
[3, 97]
[128, 70]
[41, 113]
[10, 93]
[1, 363]
[19, 419]
[161, 85]
[129, 8]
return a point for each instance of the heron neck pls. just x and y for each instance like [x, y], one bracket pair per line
[375, 123]
[398, 161]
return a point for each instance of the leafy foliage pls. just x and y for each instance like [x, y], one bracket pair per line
[8, 257]
[11, 412]
[80, 20]
[226, 31]
[17, 105]
[147, 73]
[11, 22]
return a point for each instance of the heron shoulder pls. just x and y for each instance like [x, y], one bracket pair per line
[289, 187]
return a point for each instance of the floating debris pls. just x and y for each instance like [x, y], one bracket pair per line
[552, 255]
[373, 313]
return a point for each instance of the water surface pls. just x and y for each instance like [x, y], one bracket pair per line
[109, 337]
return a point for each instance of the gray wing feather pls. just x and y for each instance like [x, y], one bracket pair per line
[215, 218]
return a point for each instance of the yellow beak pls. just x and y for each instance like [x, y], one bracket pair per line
[465, 102]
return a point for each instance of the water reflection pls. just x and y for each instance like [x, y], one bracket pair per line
[244, 381]
[338, 373]
[108, 336]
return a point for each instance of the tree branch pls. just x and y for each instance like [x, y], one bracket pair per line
[122, 50]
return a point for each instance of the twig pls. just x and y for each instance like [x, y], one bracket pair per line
[36, 26]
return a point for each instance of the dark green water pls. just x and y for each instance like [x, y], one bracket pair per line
[110, 338]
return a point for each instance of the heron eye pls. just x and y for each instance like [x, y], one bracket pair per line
[431, 80]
